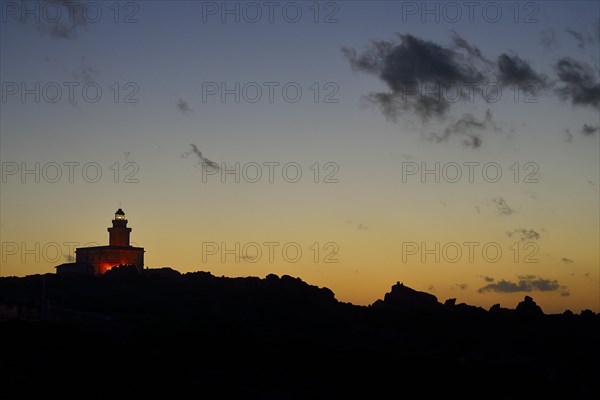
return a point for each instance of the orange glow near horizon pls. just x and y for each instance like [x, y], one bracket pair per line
[102, 268]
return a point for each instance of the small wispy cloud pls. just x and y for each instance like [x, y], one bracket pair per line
[582, 38]
[589, 130]
[183, 107]
[525, 234]
[525, 283]
[502, 206]
[201, 159]
[468, 127]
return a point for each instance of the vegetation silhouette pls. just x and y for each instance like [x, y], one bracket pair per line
[162, 333]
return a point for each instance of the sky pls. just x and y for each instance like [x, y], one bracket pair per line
[453, 147]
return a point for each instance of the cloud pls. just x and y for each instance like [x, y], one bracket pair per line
[569, 135]
[363, 227]
[410, 68]
[582, 38]
[502, 206]
[67, 26]
[416, 71]
[526, 283]
[525, 234]
[472, 51]
[426, 79]
[468, 127]
[514, 71]
[460, 286]
[487, 278]
[567, 260]
[202, 160]
[589, 130]
[183, 107]
[579, 83]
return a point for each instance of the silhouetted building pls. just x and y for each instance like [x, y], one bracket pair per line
[97, 260]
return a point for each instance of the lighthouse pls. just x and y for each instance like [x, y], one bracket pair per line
[99, 259]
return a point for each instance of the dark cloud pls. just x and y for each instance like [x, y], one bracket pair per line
[504, 287]
[526, 283]
[514, 71]
[201, 159]
[567, 260]
[525, 234]
[583, 38]
[183, 107]
[72, 19]
[413, 67]
[579, 82]
[426, 79]
[502, 206]
[468, 127]
[589, 130]
[460, 286]
[363, 227]
[487, 278]
[591, 183]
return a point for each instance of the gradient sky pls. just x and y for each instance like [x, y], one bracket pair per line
[370, 215]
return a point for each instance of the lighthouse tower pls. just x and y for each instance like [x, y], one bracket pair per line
[119, 233]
